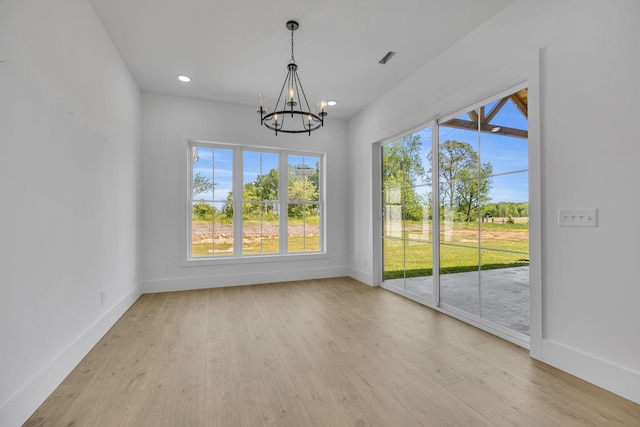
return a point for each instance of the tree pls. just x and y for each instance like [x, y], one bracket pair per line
[402, 161]
[227, 208]
[464, 183]
[314, 178]
[259, 192]
[202, 211]
[202, 184]
[402, 169]
[472, 191]
[267, 185]
[455, 157]
[303, 188]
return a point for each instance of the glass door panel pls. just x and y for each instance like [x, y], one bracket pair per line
[484, 238]
[407, 228]
[504, 213]
[459, 171]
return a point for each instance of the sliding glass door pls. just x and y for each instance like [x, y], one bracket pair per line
[480, 208]
[484, 239]
[407, 223]
[504, 212]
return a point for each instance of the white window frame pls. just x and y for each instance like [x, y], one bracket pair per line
[238, 257]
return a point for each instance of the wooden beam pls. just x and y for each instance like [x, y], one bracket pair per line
[486, 128]
[473, 116]
[461, 124]
[496, 108]
[521, 106]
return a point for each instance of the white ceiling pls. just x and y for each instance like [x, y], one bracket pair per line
[234, 50]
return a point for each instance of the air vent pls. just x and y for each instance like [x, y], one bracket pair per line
[387, 58]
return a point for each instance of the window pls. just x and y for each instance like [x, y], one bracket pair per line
[303, 204]
[260, 205]
[212, 218]
[249, 201]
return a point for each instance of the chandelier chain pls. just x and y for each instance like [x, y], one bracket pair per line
[293, 61]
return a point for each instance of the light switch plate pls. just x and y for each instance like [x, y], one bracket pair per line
[585, 217]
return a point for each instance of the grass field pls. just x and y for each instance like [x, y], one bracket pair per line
[408, 250]
[259, 237]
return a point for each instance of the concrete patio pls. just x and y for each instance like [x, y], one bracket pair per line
[500, 296]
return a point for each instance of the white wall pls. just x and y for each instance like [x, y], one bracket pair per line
[70, 189]
[168, 122]
[589, 156]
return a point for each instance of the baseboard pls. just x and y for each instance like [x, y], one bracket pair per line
[616, 379]
[361, 276]
[221, 281]
[24, 403]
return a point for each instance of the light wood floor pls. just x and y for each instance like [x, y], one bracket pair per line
[330, 352]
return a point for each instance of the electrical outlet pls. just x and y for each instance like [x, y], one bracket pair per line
[103, 297]
[585, 217]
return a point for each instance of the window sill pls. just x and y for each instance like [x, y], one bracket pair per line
[204, 262]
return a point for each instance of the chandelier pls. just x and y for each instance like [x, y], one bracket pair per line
[292, 113]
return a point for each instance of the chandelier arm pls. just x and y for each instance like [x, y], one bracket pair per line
[296, 81]
[275, 108]
[304, 95]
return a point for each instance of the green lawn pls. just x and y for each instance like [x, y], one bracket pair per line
[459, 250]
[259, 237]
[206, 249]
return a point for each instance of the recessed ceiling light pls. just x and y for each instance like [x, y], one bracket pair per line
[183, 78]
[331, 103]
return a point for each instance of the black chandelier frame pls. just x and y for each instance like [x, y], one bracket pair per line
[276, 120]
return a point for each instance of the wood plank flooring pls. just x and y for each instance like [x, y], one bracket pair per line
[330, 352]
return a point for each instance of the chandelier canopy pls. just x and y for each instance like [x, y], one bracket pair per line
[292, 113]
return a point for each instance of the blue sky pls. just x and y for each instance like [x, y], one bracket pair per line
[223, 165]
[508, 155]
[254, 164]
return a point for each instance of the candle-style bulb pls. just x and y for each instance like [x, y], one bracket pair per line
[260, 103]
